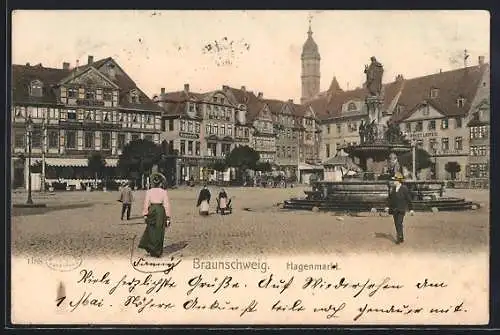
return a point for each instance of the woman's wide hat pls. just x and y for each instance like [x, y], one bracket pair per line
[157, 178]
[398, 176]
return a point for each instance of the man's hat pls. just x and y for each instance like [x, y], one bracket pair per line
[398, 176]
[157, 178]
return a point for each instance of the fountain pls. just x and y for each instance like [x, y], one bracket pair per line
[377, 158]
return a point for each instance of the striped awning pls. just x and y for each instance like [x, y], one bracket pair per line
[77, 162]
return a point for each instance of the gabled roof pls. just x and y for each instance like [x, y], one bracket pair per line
[452, 85]
[23, 75]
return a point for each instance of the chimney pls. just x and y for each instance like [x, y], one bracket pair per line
[163, 91]
[440, 70]
[90, 60]
[225, 88]
[66, 66]
[28, 64]
[481, 60]
[290, 101]
[399, 77]
[260, 95]
[186, 88]
[243, 88]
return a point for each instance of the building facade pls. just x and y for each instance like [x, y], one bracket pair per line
[433, 112]
[75, 112]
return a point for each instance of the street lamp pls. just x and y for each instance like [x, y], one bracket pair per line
[29, 131]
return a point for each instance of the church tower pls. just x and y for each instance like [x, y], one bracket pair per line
[310, 68]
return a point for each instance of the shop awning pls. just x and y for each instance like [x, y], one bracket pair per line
[304, 166]
[77, 162]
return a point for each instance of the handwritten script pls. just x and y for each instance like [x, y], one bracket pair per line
[170, 285]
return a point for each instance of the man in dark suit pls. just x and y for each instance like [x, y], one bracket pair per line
[399, 203]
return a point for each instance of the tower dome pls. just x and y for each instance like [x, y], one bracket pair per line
[310, 48]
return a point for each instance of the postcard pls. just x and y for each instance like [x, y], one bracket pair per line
[250, 167]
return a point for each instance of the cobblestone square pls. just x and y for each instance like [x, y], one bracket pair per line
[89, 223]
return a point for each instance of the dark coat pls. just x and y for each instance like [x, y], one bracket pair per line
[222, 195]
[400, 201]
[204, 195]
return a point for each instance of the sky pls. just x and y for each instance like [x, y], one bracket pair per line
[257, 49]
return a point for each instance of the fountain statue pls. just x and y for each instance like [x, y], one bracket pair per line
[377, 156]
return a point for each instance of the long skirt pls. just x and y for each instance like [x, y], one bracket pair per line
[152, 239]
[204, 207]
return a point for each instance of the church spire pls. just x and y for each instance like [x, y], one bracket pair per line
[309, 32]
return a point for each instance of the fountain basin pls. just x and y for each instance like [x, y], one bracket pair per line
[359, 196]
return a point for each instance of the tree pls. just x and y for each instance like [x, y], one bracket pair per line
[138, 158]
[264, 167]
[242, 158]
[423, 160]
[96, 164]
[167, 165]
[219, 166]
[453, 168]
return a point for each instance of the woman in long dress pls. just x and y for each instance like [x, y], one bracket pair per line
[204, 201]
[157, 215]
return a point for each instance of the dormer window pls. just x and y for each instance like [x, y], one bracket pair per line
[72, 93]
[89, 95]
[351, 107]
[434, 93]
[134, 96]
[36, 88]
[460, 102]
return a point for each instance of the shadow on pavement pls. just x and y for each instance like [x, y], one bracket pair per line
[386, 236]
[15, 211]
[169, 249]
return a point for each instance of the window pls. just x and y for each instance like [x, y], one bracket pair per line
[71, 115]
[190, 126]
[478, 170]
[19, 138]
[108, 95]
[121, 141]
[36, 88]
[106, 117]
[134, 118]
[222, 130]
[106, 141]
[148, 119]
[445, 144]
[53, 139]
[135, 137]
[426, 110]
[226, 148]
[215, 129]
[460, 102]
[171, 125]
[328, 129]
[198, 146]
[190, 148]
[444, 124]
[352, 107]
[419, 126]
[479, 150]
[408, 127]
[70, 139]
[339, 128]
[208, 129]
[433, 146]
[434, 93]
[352, 127]
[458, 122]
[134, 96]
[432, 125]
[478, 132]
[89, 115]
[89, 95]
[148, 138]
[212, 149]
[89, 140]
[197, 127]
[327, 150]
[247, 132]
[183, 125]
[458, 143]
[72, 93]
[183, 147]
[229, 131]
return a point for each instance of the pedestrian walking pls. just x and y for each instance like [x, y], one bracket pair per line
[204, 200]
[399, 203]
[223, 202]
[156, 213]
[126, 198]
